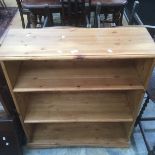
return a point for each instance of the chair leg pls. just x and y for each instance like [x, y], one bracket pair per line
[62, 18]
[28, 21]
[22, 18]
[116, 17]
[134, 10]
[23, 22]
[105, 16]
[97, 15]
[121, 16]
[95, 20]
[21, 13]
[3, 4]
[33, 19]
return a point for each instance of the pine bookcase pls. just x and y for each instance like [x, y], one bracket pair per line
[77, 86]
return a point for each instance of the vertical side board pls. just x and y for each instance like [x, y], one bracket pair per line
[11, 70]
[144, 69]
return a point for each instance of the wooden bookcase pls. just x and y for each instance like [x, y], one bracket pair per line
[82, 89]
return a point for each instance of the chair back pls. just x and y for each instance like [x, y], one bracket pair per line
[74, 12]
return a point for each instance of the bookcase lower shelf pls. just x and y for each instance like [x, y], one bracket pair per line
[79, 134]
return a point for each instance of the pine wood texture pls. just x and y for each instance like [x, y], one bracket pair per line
[86, 134]
[77, 43]
[77, 86]
[78, 107]
[77, 76]
[10, 79]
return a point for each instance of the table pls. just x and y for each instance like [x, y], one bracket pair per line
[108, 6]
[56, 3]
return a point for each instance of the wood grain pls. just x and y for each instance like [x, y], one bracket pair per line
[77, 86]
[144, 70]
[77, 43]
[87, 134]
[135, 98]
[77, 76]
[10, 73]
[78, 107]
[12, 69]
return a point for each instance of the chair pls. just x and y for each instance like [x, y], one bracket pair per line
[106, 7]
[38, 11]
[23, 12]
[76, 13]
[42, 8]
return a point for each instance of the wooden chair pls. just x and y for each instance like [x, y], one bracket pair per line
[23, 12]
[38, 11]
[76, 13]
[44, 8]
[105, 7]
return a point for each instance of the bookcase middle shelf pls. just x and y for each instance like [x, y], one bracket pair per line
[77, 107]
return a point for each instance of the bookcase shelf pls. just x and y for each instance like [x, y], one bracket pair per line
[77, 134]
[78, 107]
[73, 76]
[84, 89]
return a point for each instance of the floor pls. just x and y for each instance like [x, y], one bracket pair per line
[6, 16]
[1, 108]
[11, 3]
[137, 146]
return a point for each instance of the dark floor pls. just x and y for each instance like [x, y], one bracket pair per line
[6, 16]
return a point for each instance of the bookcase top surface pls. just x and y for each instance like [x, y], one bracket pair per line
[77, 43]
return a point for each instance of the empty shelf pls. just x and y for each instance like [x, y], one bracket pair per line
[107, 76]
[78, 107]
[77, 134]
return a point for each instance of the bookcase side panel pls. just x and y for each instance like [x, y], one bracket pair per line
[10, 70]
[144, 68]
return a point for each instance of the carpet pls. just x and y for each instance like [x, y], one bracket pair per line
[6, 17]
